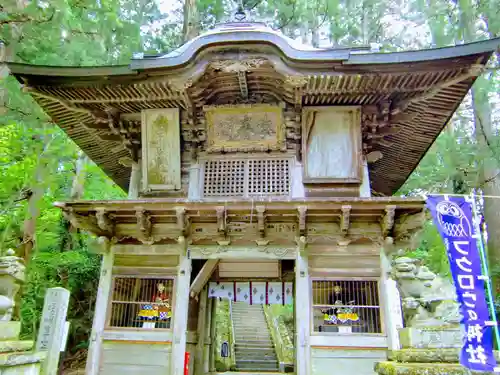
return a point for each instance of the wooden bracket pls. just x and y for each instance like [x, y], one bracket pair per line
[302, 220]
[388, 220]
[144, 225]
[221, 220]
[182, 220]
[104, 221]
[261, 220]
[345, 220]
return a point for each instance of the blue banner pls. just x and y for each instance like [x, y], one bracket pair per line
[453, 217]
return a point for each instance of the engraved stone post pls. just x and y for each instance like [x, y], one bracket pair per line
[52, 325]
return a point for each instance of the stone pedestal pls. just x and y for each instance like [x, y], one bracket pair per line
[425, 351]
[15, 355]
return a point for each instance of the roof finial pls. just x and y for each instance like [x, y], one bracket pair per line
[240, 13]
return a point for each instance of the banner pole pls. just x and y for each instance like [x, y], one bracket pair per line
[484, 266]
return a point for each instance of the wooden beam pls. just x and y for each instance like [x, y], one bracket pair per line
[203, 276]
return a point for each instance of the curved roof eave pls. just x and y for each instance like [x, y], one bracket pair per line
[347, 56]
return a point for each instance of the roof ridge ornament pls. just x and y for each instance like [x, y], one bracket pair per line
[240, 15]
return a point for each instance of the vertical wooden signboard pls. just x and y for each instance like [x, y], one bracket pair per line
[161, 149]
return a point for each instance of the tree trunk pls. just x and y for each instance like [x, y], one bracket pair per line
[489, 182]
[191, 26]
[70, 236]
[35, 194]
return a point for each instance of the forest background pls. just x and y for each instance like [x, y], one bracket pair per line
[39, 164]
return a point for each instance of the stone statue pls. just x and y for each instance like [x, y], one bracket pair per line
[11, 276]
[427, 299]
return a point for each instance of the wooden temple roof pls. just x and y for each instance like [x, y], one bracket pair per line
[407, 97]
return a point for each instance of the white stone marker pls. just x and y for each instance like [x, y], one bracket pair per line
[395, 315]
[52, 327]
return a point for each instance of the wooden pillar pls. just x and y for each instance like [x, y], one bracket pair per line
[207, 344]
[302, 315]
[202, 322]
[213, 313]
[135, 181]
[194, 182]
[391, 303]
[180, 315]
[365, 188]
[101, 310]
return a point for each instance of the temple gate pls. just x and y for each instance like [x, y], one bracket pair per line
[261, 166]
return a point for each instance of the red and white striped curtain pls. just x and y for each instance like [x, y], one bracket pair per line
[253, 292]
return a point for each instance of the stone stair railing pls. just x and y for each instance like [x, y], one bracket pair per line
[16, 356]
[284, 348]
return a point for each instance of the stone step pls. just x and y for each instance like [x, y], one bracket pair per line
[424, 355]
[396, 368]
[15, 346]
[254, 365]
[252, 346]
[252, 337]
[243, 339]
[254, 356]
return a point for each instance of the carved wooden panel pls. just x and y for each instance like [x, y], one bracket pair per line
[161, 150]
[246, 177]
[245, 128]
[331, 144]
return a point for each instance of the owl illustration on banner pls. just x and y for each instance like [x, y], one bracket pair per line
[452, 219]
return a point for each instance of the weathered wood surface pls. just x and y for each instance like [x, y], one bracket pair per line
[271, 221]
[161, 151]
[180, 321]
[123, 358]
[100, 315]
[331, 144]
[359, 362]
[302, 316]
[429, 83]
[236, 268]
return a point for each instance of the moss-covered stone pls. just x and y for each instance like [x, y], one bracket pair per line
[15, 346]
[9, 330]
[17, 359]
[396, 368]
[424, 355]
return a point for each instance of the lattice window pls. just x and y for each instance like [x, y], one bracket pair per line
[224, 178]
[346, 306]
[141, 303]
[247, 177]
[269, 177]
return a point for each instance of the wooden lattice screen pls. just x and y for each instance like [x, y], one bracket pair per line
[346, 306]
[141, 302]
[246, 177]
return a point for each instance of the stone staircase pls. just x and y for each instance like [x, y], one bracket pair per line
[254, 346]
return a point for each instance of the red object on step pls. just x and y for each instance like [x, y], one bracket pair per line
[186, 363]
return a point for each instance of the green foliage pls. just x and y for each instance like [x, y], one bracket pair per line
[76, 270]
